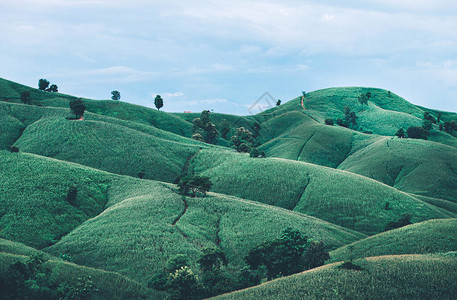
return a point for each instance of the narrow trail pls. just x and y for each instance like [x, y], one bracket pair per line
[183, 198]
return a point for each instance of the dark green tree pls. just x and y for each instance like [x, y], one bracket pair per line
[184, 284]
[363, 99]
[427, 125]
[429, 117]
[400, 133]
[212, 259]
[71, 195]
[278, 103]
[329, 121]
[243, 140]
[25, 97]
[14, 149]
[158, 102]
[195, 184]
[416, 132]
[404, 220]
[225, 128]
[53, 88]
[43, 84]
[77, 107]
[115, 95]
[315, 255]
[350, 117]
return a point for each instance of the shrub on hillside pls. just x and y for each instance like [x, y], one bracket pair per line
[400, 133]
[71, 195]
[14, 149]
[416, 132]
[329, 121]
[342, 123]
[25, 97]
[404, 220]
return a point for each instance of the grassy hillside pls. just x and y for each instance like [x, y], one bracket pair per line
[385, 277]
[148, 222]
[432, 236]
[33, 205]
[11, 92]
[339, 197]
[104, 285]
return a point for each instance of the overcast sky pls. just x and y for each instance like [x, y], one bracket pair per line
[224, 55]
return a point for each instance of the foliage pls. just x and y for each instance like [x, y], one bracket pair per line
[225, 128]
[71, 195]
[243, 140]
[205, 127]
[350, 117]
[43, 84]
[350, 266]
[141, 174]
[400, 133]
[14, 149]
[115, 95]
[278, 103]
[416, 132]
[429, 117]
[281, 257]
[184, 284]
[77, 107]
[342, 123]
[212, 259]
[53, 88]
[158, 102]
[25, 97]
[404, 220]
[329, 121]
[198, 137]
[195, 184]
[363, 98]
[257, 153]
[315, 255]
[427, 125]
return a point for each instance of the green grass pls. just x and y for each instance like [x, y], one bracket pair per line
[432, 236]
[135, 235]
[109, 285]
[33, 206]
[385, 277]
[339, 197]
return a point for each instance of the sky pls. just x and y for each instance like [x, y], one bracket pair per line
[224, 55]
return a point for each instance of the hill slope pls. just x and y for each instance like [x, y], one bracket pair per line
[339, 197]
[385, 277]
[432, 236]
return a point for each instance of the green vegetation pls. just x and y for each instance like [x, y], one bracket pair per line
[434, 236]
[158, 102]
[115, 95]
[385, 277]
[116, 191]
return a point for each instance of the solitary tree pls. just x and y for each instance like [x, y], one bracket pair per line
[363, 99]
[195, 184]
[278, 103]
[43, 84]
[115, 95]
[158, 102]
[25, 97]
[77, 107]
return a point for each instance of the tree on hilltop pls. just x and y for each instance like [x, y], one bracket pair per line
[43, 84]
[53, 88]
[158, 102]
[77, 107]
[115, 95]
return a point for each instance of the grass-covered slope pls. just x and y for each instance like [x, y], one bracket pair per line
[149, 222]
[414, 166]
[103, 284]
[385, 277]
[11, 92]
[33, 191]
[434, 236]
[340, 197]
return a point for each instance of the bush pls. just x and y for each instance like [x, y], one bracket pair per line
[14, 149]
[350, 266]
[25, 97]
[329, 121]
[342, 123]
[404, 220]
[195, 184]
[415, 132]
[71, 195]
[400, 133]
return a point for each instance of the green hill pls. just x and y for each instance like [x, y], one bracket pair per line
[339, 197]
[147, 223]
[432, 236]
[384, 277]
[11, 92]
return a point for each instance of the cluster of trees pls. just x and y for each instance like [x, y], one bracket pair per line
[290, 253]
[363, 98]
[204, 130]
[34, 280]
[422, 132]
[43, 84]
[350, 119]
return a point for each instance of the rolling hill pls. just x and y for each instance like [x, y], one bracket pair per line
[384, 277]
